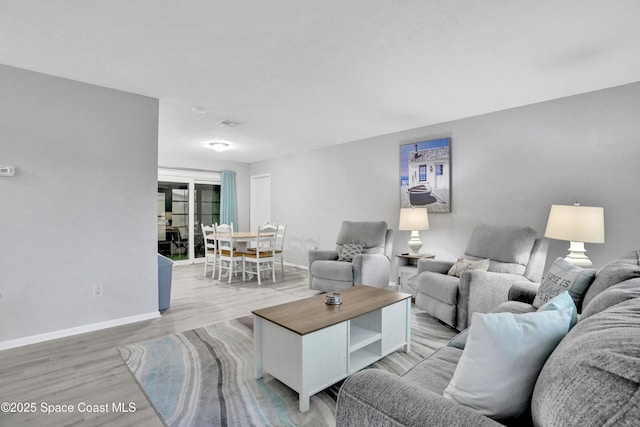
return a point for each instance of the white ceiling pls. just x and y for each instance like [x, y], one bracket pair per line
[304, 74]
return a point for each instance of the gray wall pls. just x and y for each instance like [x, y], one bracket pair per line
[508, 167]
[81, 208]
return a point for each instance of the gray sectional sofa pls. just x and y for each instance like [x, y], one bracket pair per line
[592, 378]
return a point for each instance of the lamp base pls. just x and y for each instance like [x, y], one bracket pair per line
[577, 255]
[415, 243]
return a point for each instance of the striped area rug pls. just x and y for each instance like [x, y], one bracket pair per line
[204, 377]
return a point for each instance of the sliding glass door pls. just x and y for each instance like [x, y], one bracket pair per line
[185, 201]
[206, 211]
[173, 220]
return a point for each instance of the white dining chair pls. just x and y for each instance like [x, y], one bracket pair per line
[280, 231]
[210, 248]
[227, 251]
[263, 257]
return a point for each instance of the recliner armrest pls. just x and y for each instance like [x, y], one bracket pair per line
[371, 269]
[482, 291]
[322, 255]
[434, 265]
[523, 291]
[374, 397]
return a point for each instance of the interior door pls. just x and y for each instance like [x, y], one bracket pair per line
[260, 200]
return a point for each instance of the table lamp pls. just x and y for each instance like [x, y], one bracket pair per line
[576, 224]
[414, 220]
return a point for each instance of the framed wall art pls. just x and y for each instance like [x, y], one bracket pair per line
[425, 175]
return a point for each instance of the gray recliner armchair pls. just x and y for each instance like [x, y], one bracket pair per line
[333, 270]
[514, 254]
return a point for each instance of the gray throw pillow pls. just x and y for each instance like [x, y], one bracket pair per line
[563, 276]
[349, 250]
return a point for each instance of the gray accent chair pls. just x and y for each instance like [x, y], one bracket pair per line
[372, 267]
[591, 379]
[514, 253]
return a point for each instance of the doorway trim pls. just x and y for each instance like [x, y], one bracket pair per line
[191, 177]
[260, 200]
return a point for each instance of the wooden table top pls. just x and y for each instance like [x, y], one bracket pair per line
[312, 314]
[243, 235]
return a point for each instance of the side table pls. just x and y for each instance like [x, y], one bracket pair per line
[407, 271]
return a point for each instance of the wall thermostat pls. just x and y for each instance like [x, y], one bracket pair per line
[6, 170]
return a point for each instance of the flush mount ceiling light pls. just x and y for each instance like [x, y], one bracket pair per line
[219, 146]
[199, 110]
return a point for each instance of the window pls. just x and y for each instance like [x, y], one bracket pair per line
[173, 220]
[439, 170]
[207, 212]
[186, 200]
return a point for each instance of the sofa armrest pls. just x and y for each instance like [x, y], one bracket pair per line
[378, 398]
[482, 291]
[434, 265]
[523, 291]
[371, 269]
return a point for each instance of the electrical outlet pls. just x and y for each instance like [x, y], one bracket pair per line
[97, 289]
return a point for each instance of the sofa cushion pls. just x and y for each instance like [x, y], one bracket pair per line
[502, 358]
[332, 270]
[613, 296]
[462, 265]
[436, 371]
[617, 271]
[593, 376]
[511, 244]
[563, 276]
[514, 307]
[349, 250]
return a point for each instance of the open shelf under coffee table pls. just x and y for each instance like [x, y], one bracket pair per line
[309, 345]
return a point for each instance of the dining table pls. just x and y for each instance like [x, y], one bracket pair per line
[242, 239]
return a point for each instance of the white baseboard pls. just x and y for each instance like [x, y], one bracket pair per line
[302, 267]
[33, 339]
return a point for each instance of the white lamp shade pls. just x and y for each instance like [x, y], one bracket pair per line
[414, 219]
[576, 224]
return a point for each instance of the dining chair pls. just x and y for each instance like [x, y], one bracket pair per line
[251, 245]
[279, 245]
[264, 255]
[210, 248]
[179, 245]
[227, 251]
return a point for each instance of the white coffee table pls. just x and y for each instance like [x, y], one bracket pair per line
[309, 345]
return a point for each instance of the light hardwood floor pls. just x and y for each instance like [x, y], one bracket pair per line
[88, 369]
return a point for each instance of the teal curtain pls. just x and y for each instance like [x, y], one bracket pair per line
[228, 203]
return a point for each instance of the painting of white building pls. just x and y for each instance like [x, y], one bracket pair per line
[425, 175]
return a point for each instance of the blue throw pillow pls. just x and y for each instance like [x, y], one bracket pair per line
[562, 301]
